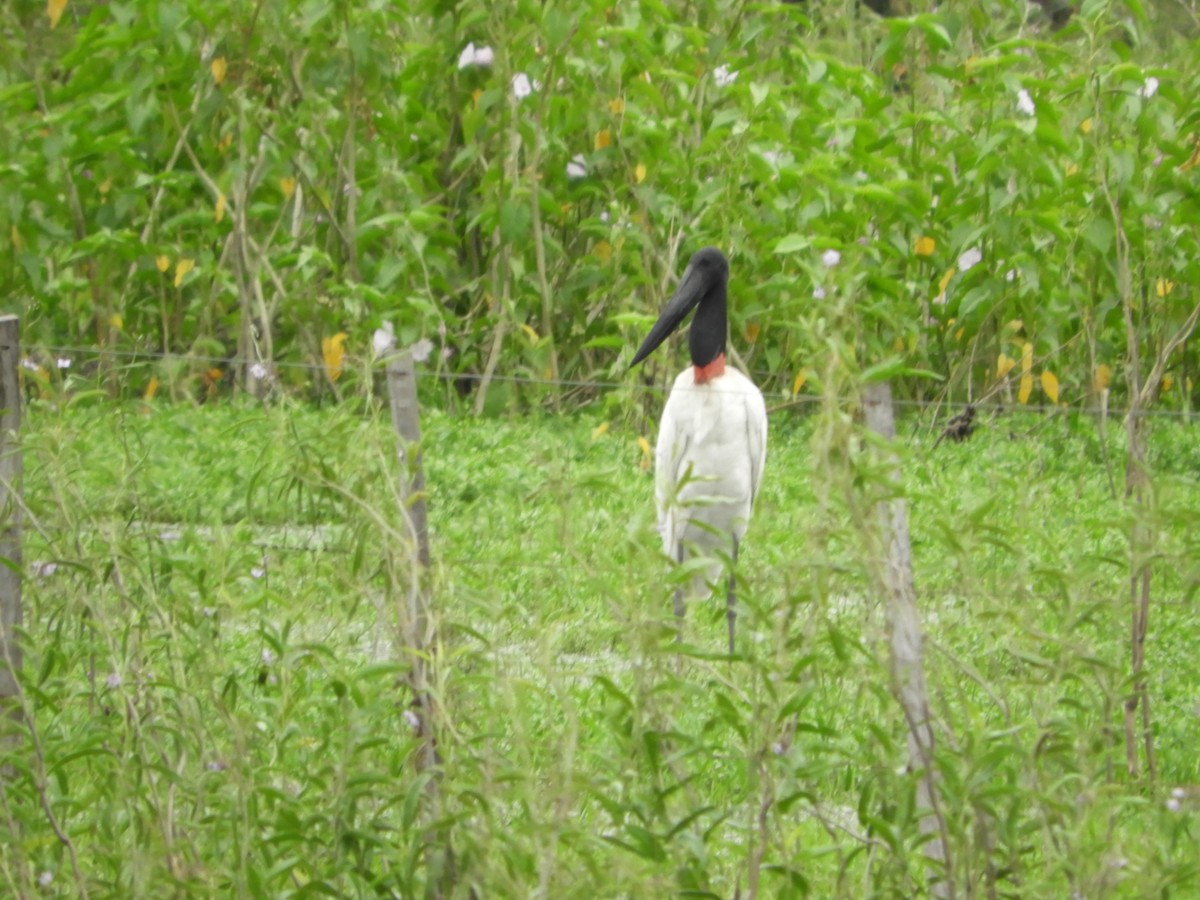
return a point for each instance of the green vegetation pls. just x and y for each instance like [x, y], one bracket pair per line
[210, 208]
[212, 673]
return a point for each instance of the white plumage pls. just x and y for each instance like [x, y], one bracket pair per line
[709, 461]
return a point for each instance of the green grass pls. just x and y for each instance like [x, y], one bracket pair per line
[213, 673]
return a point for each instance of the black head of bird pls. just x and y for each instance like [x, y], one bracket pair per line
[702, 288]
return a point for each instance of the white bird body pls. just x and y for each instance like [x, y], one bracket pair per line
[709, 461]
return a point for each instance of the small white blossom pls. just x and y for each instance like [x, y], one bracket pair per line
[28, 364]
[1174, 805]
[1010, 275]
[63, 363]
[969, 259]
[267, 656]
[421, 350]
[1149, 89]
[208, 612]
[43, 569]
[1025, 103]
[1178, 793]
[257, 572]
[604, 216]
[412, 720]
[45, 879]
[447, 352]
[258, 372]
[217, 765]
[577, 167]
[818, 293]
[384, 339]
[522, 87]
[475, 56]
[830, 258]
[113, 681]
[723, 77]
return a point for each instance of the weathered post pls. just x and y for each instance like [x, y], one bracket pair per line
[417, 632]
[904, 625]
[10, 512]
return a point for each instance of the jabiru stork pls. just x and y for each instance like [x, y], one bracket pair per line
[712, 440]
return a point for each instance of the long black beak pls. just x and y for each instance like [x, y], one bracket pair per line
[686, 297]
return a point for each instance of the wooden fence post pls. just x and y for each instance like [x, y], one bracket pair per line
[417, 634]
[904, 625]
[10, 509]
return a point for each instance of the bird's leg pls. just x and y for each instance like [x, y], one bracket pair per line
[731, 600]
[679, 597]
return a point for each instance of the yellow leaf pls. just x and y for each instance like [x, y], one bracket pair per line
[603, 139]
[1101, 377]
[1026, 388]
[1163, 287]
[600, 430]
[924, 246]
[163, 263]
[958, 335]
[333, 350]
[1050, 385]
[219, 67]
[617, 106]
[287, 186]
[645, 445]
[151, 389]
[115, 321]
[529, 332]
[1193, 160]
[1004, 365]
[801, 377]
[106, 185]
[219, 212]
[182, 268]
[475, 95]
[946, 280]
[1027, 357]
[1086, 126]
[15, 237]
[639, 173]
[225, 141]
[1072, 169]
[1168, 382]
[55, 9]
[752, 331]
[1015, 325]
[603, 251]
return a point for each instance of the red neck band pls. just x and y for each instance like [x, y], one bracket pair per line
[714, 369]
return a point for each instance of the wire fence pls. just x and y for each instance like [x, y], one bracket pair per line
[987, 405]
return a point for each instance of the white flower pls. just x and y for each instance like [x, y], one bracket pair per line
[723, 77]
[969, 259]
[113, 681]
[818, 293]
[604, 215]
[45, 879]
[257, 572]
[43, 569]
[267, 656]
[1178, 793]
[1174, 805]
[29, 364]
[258, 372]
[522, 87]
[577, 167]
[1025, 103]
[1149, 89]
[475, 56]
[830, 258]
[384, 339]
[63, 363]
[421, 349]
[412, 720]
[1010, 275]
